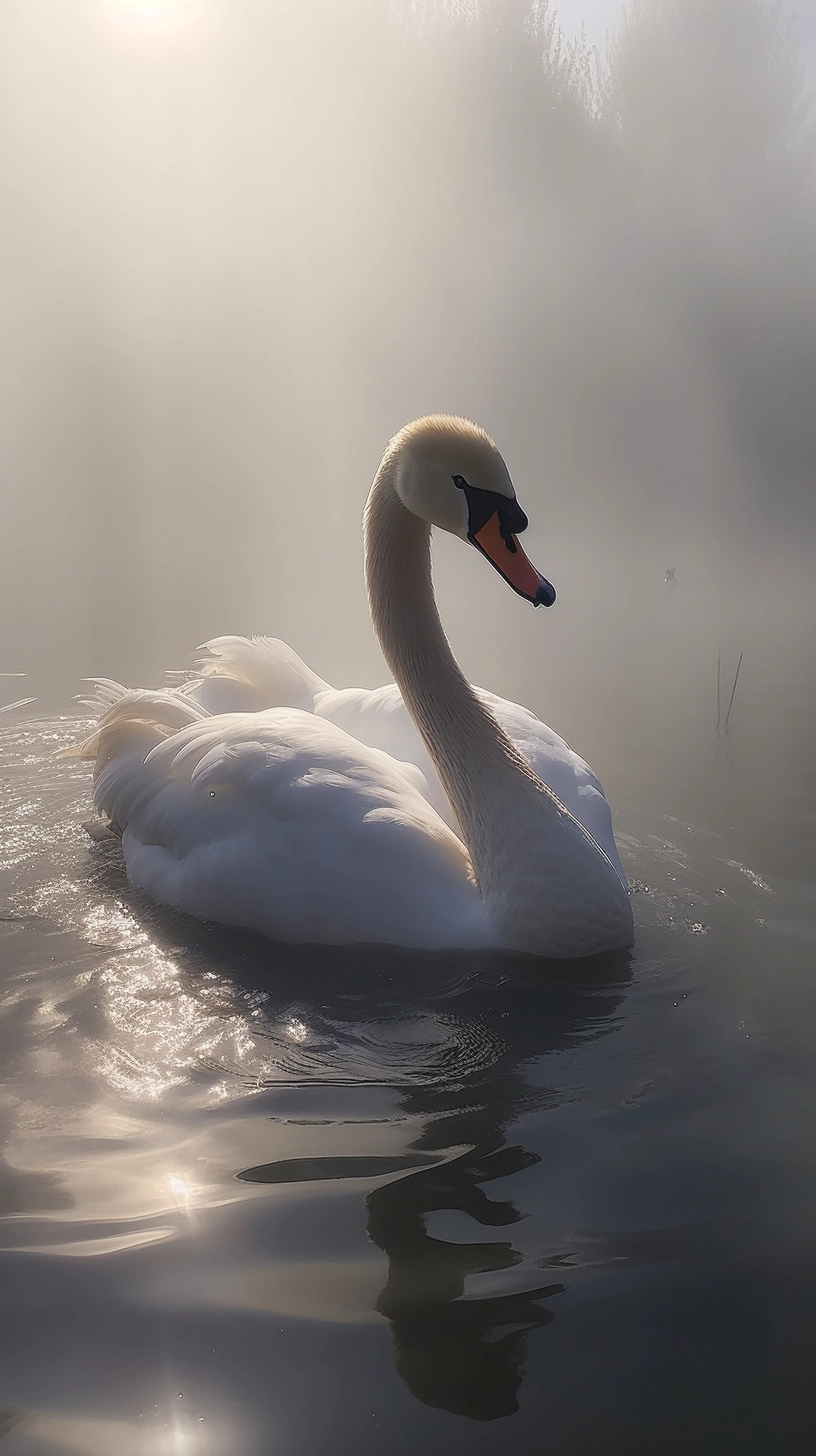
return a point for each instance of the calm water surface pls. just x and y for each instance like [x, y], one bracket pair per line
[258, 1200]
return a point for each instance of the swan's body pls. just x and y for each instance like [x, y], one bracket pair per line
[281, 821]
[247, 674]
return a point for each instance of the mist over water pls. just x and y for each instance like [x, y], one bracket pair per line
[242, 245]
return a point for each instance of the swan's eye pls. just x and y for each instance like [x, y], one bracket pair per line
[460, 482]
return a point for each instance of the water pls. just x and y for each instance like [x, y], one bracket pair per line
[258, 1200]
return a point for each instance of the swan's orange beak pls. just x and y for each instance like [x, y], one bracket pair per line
[513, 564]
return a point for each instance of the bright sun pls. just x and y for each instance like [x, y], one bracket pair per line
[155, 15]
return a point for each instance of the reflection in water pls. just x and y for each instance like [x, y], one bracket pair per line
[460, 1355]
[457, 1351]
[457, 1348]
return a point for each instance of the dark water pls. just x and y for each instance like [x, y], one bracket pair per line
[262, 1201]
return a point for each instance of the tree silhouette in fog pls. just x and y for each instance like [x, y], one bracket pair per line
[711, 94]
[715, 130]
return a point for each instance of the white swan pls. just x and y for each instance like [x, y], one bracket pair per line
[280, 821]
[246, 674]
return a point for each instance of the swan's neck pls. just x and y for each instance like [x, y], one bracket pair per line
[475, 759]
[524, 845]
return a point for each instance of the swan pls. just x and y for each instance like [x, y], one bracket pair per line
[280, 821]
[245, 674]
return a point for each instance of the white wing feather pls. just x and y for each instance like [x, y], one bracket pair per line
[281, 823]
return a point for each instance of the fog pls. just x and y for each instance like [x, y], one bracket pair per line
[244, 243]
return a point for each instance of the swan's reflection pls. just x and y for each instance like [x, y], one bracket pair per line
[459, 1348]
[460, 1355]
[457, 1352]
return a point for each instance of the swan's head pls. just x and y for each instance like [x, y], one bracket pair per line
[449, 472]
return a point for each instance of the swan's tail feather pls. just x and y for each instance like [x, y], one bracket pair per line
[269, 671]
[98, 703]
[107, 693]
[133, 717]
[132, 724]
